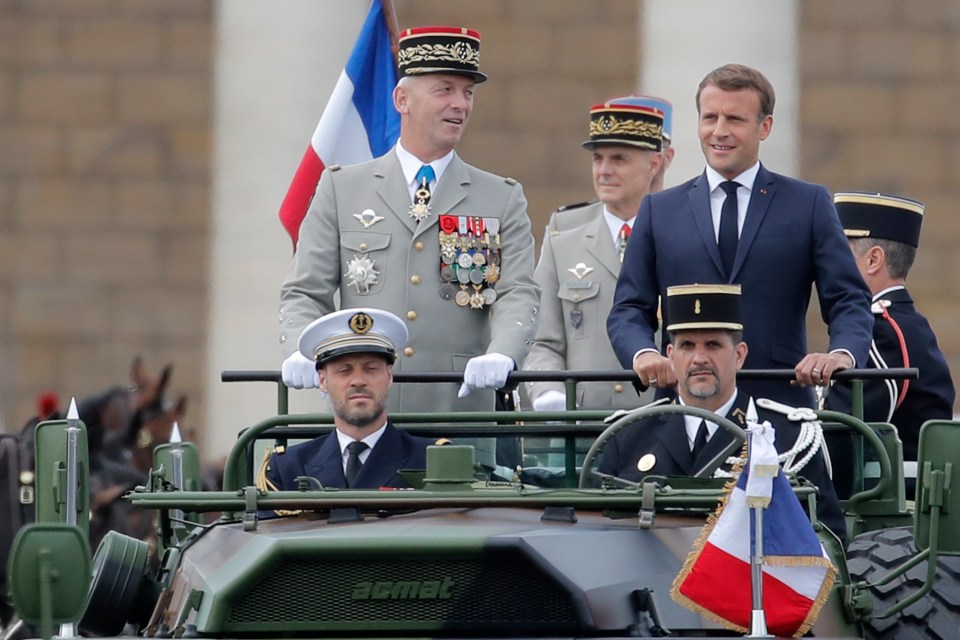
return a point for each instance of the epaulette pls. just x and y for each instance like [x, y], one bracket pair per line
[510, 180]
[577, 205]
[880, 306]
[334, 167]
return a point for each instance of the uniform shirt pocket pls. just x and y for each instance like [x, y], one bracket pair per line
[581, 307]
[363, 255]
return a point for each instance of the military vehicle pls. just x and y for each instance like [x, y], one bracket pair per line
[553, 553]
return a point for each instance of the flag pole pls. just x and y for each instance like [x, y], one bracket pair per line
[390, 15]
[758, 619]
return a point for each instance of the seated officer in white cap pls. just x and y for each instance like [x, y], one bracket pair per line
[706, 350]
[884, 234]
[354, 350]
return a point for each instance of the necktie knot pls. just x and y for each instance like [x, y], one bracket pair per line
[427, 174]
[356, 447]
[730, 187]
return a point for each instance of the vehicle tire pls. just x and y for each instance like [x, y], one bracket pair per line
[872, 555]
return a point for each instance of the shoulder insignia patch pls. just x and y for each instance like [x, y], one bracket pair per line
[510, 180]
[577, 205]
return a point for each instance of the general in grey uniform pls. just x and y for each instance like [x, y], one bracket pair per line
[580, 255]
[422, 234]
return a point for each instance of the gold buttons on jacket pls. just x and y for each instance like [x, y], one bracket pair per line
[618, 388]
[408, 351]
[418, 246]
[411, 315]
[415, 279]
[363, 246]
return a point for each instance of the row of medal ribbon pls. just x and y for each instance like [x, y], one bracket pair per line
[469, 259]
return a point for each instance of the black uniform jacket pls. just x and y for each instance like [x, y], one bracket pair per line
[321, 458]
[665, 438]
[905, 404]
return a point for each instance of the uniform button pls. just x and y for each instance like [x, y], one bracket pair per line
[576, 297]
[363, 246]
[618, 388]
[411, 315]
[408, 351]
[418, 246]
[415, 279]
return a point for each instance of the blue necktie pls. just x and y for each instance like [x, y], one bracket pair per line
[424, 177]
[728, 237]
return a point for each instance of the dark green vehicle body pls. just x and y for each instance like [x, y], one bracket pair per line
[457, 557]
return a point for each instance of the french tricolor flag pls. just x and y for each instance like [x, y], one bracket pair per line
[359, 122]
[797, 573]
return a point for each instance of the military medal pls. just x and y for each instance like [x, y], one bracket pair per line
[476, 300]
[361, 274]
[467, 257]
[576, 318]
[448, 290]
[420, 210]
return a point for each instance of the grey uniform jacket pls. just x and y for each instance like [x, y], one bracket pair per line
[577, 274]
[360, 216]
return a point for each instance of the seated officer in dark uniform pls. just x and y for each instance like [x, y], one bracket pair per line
[354, 350]
[706, 350]
[884, 233]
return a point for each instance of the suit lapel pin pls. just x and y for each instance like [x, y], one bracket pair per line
[646, 462]
[580, 270]
[763, 191]
[368, 218]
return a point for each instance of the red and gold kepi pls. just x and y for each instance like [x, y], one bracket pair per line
[454, 50]
[625, 124]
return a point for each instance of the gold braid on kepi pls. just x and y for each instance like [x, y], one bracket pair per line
[264, 483]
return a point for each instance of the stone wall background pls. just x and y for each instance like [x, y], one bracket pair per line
[105, 156]
[104, 195]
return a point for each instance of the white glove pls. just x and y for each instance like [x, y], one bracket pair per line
[550, 400]
[485, 372]
[299, 372]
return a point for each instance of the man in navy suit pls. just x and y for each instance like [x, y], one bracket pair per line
[775, 236]
[706, 350]
[354, 350]
[884, 234]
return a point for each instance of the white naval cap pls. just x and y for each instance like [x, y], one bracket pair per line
[360, 330]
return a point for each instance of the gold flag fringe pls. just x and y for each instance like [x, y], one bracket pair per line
[779, 561]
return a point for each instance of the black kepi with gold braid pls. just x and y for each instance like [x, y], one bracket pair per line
[879, 216]
[454, 50]
[625, 124]
[704, 306]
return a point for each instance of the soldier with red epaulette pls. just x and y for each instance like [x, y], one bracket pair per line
[884, 233]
